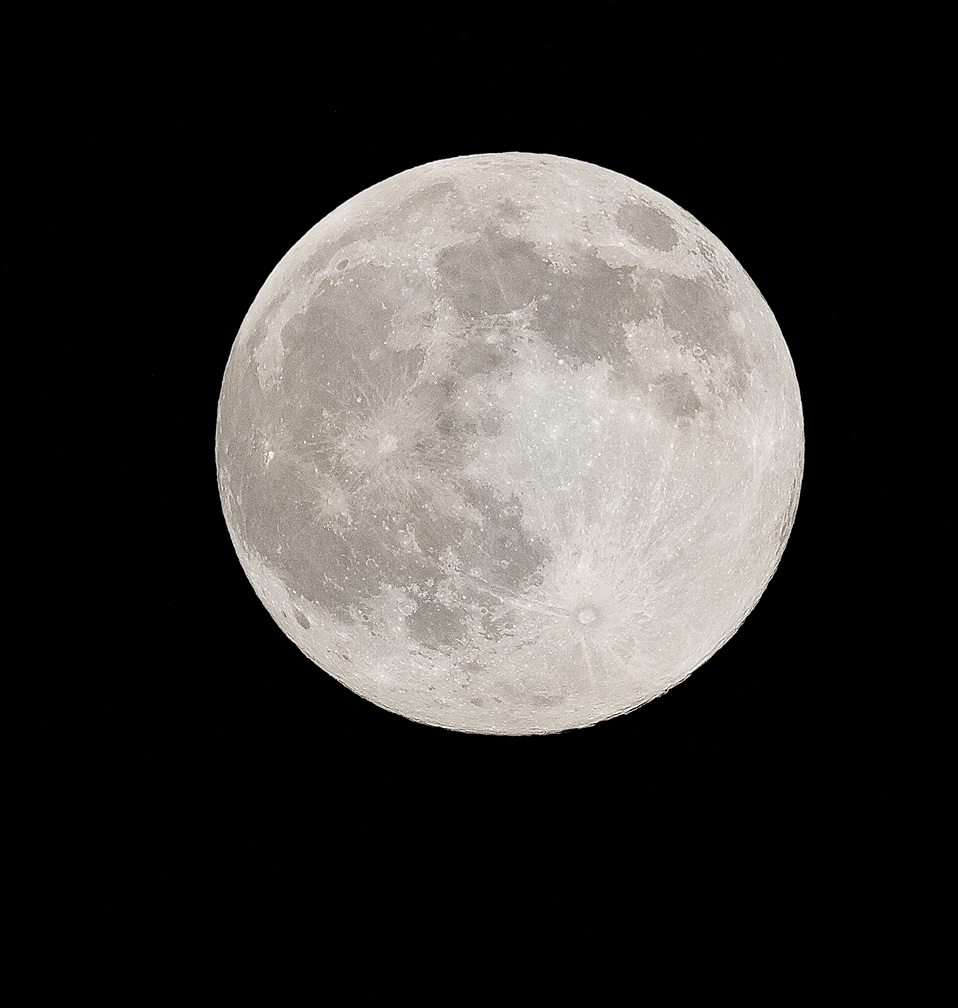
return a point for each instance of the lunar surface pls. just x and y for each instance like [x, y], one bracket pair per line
[509, 444]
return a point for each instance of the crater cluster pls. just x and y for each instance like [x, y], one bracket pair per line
[509, 444]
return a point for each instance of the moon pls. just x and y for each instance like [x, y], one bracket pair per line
[509, 444]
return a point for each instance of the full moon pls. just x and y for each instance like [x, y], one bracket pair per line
[509, 444]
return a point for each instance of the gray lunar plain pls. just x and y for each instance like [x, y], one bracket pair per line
[509, 444]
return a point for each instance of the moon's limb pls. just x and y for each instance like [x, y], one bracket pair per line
[509, 444]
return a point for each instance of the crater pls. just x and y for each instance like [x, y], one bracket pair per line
[302, 620]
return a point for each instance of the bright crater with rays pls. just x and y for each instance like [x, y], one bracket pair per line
[509, 444]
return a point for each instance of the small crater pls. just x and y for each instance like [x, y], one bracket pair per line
[342, 264]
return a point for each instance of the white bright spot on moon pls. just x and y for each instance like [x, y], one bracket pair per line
[509, 444]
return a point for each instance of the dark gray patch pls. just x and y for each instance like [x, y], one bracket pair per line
[453, 431]
[507, 556]
[508, 210]
[693, 306]
[437, 627]
[698, 311]
[678, 397]
[504, 549]
[277, 520]
[432, 202]
[649, 227]
[544, 700]
[345, 319]
[491, 423]
[317, 259]
[476, 356]
[493, 274]
[583, 314]
[302, 620]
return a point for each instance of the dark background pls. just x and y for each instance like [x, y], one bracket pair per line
[216, 745]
